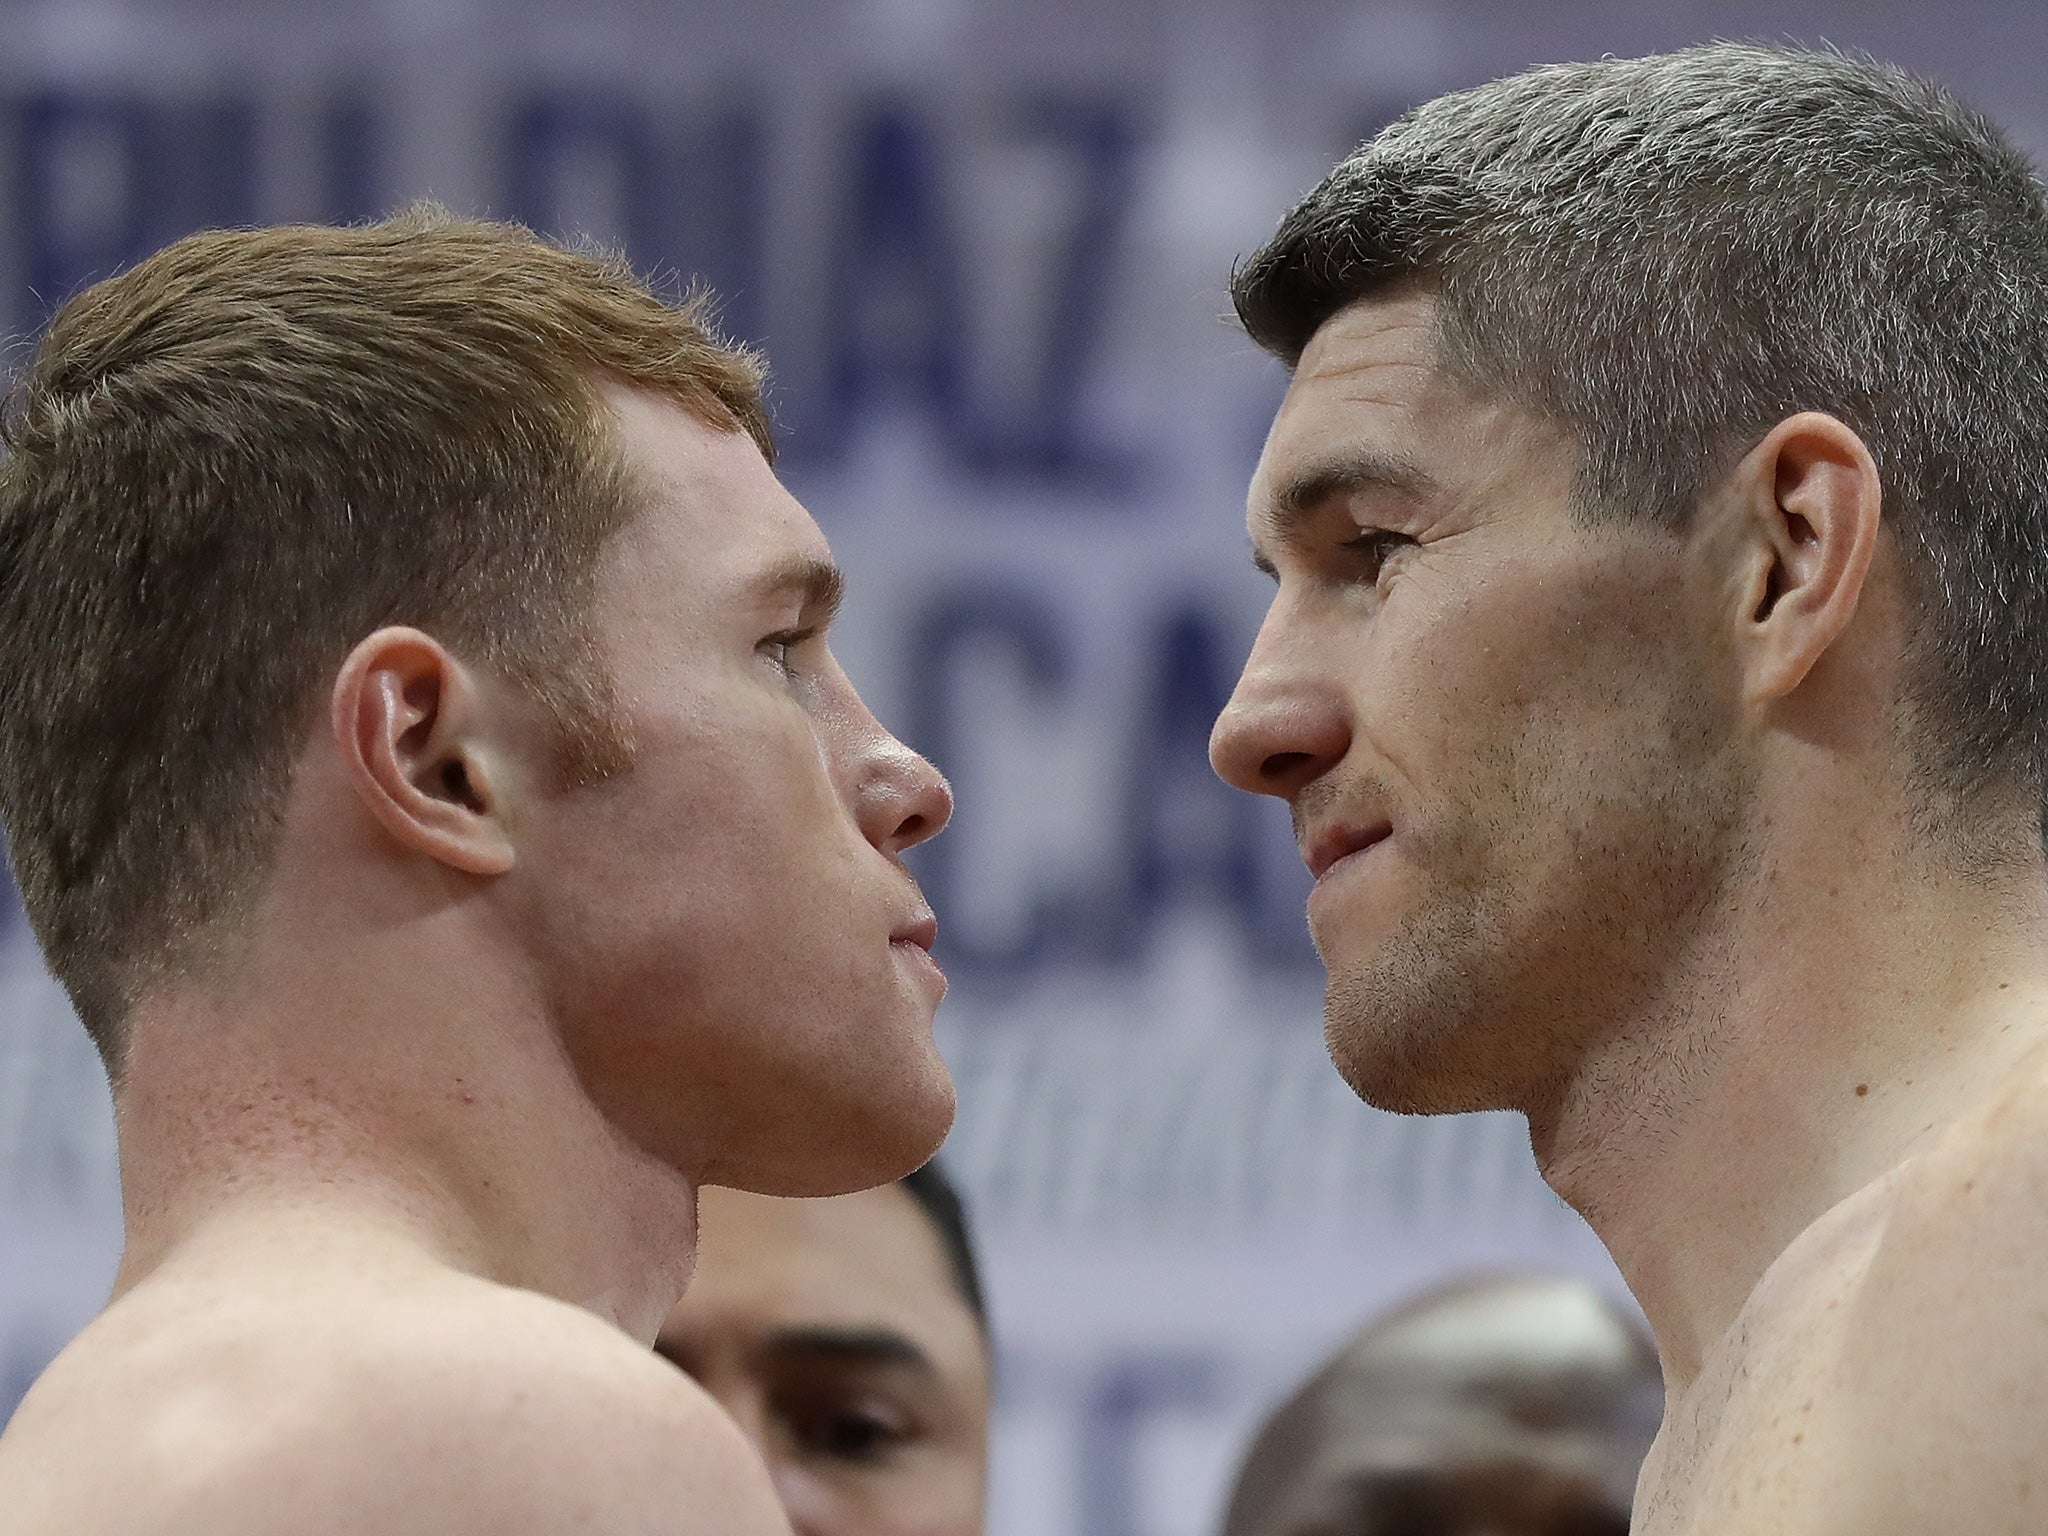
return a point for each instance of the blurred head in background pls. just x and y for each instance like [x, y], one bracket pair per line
[848, 1338]
[1512, 1406]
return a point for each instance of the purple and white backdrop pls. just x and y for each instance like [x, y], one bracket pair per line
[985, 246]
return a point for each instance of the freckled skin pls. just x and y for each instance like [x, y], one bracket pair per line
[732, 896]
[411, 1184]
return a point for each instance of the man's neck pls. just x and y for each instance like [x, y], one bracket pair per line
[460, 1136]
[1825, 1031]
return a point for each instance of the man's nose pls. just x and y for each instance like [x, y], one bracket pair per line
[903, 798]
[1283, 728]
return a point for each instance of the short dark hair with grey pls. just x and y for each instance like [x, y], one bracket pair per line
[1670, 255]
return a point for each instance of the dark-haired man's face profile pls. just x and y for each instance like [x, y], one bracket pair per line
[1506, 764]
[835, 1334]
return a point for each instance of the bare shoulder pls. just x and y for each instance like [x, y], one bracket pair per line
[578, 1427]
[1975, 1203]
[1944, 1353]
[451, 1409]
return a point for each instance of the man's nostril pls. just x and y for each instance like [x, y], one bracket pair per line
[1282, 765]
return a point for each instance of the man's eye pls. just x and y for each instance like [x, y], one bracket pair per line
[777, 647]
[850, 1434]
[1372, 547]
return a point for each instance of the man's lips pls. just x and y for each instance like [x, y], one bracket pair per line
[915, 939]
[1340, 842]
[922, 931]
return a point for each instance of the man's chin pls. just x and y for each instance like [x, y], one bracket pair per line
[1399, 1090]
[857, 1143]
[1416, 1067]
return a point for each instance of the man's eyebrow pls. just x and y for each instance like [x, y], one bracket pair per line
[1311, 488]
[860, 1346]
[819, 583]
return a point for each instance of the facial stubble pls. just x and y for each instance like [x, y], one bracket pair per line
[1557, 902]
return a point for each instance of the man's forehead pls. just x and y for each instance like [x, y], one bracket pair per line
[664, 442]
[1406, 432]
[707, 491]
[1392, 329]
[1353, 396]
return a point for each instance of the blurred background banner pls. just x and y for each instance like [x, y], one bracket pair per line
[985, 246]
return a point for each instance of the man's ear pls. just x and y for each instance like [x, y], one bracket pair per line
[407, 719]
[1811, 502]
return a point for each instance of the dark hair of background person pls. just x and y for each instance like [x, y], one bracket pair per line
[231, 463]
[1670, 255]
[1520, 1403]
[941, 1202]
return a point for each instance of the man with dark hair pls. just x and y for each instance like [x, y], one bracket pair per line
[1500, 1405]
[1656, 679]
[424, 766]
[847, 1339]
[940, 1201]
[1510, 1405]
